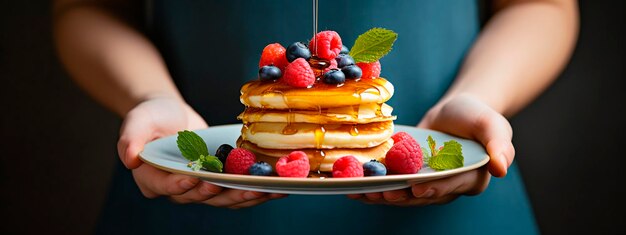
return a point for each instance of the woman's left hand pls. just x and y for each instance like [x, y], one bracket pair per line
[467, 117]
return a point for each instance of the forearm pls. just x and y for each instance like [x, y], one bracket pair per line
[108, 58]
[520, 52]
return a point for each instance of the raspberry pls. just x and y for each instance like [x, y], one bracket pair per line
[328, 45]
[347, 166]
[333, 65]
[299, 74]
[370, 70]
[274, 54]
[296, 164]
[404, 157]
[239, 161]
[400, 136]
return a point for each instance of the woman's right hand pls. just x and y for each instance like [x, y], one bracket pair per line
[159, 117]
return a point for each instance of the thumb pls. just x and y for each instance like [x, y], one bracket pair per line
[134, 134]
[495, 133]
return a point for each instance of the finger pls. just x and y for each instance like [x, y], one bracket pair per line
[355, 196]
[374, 196]
[396, 195]
[468, 183]
[154, 182]
[135, 132]
[277, 195]
[232, 197]
[202, 192]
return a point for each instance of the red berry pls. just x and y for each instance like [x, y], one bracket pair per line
[296, 164]
[370, 70]
[274, 54]
[333, 65]
[404, 157]
[299, 74]
[328, 45]
[239, 161]
[347, 166]
[400, 136]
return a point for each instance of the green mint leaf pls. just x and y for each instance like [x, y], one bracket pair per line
[211, 163]
[373, 45]
[432, 145]
[191, 145]
[449, 157]
[195, 165]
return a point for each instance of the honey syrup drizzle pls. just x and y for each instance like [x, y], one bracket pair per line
[318, 95]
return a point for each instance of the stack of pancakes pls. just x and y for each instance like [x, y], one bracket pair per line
[325, 121]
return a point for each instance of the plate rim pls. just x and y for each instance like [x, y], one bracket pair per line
[251, 179]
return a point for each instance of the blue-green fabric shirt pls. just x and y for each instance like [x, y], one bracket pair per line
[213, 47]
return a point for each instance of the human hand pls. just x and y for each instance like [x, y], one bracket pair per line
[153, 119]
[467, 117]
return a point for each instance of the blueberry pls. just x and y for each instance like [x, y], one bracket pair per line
[298, 50]
[222, 152]
[260, 168]
[344, 60]
[352, 71]
[374, 168]
[269, 72]
[334, 76]
[344, 50]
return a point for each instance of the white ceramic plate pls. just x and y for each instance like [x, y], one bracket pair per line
[163, 154]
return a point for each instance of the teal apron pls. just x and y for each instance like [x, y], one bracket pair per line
[213, 47]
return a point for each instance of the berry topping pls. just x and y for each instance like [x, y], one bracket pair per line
[296, 164]
[400, 136]
[370, 70]
[404, 157]
[260, 168]
[274, 54]
[352, 71]
[344, 60]
[347, 166]
[334, 76]
[297, 50]
[299, 74]
[344, 50]
[374, 168]
[269, 73]
[222, 152]
[328, 44]
[239, 161]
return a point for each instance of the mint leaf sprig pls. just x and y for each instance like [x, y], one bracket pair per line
[194, 149]
[450, 156]
[373, 45]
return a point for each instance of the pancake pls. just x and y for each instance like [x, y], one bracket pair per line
[319, 136]
[321, 160]
[364, 113]
[278, 95]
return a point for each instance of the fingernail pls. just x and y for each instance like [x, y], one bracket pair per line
[210, 190]
[429, 193]
[401, 198]
[251, 195]
[186, 184]
[505, 162]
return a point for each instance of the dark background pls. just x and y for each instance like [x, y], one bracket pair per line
[58, 146]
